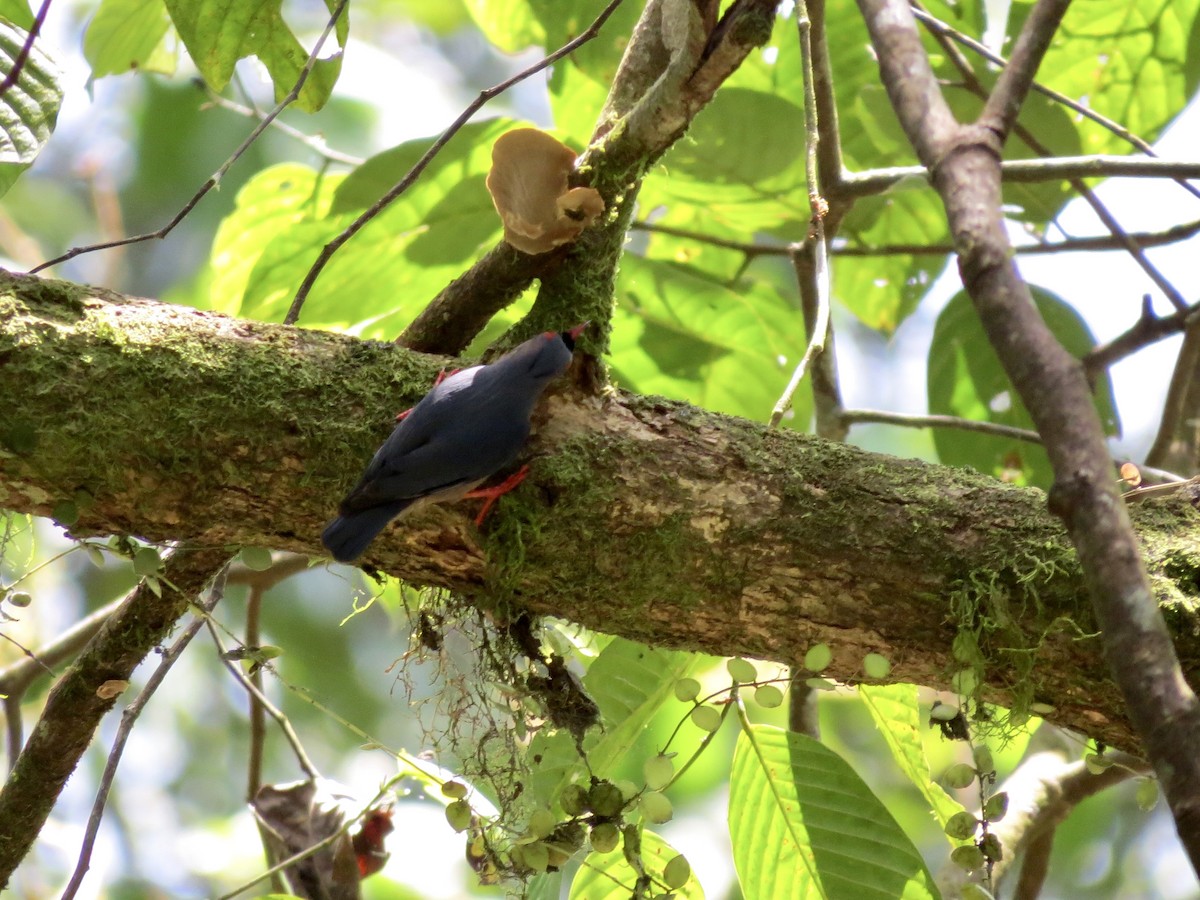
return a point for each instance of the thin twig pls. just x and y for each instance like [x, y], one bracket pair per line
[1147, 330]
[1028, 171]
[314, 142]
[258, 724]
[1166, 237]
[816, 237]
[216, 177]
[285, 725]
[411, 176]
[26, 48]
[128, 718]
[816, 343]
[883, 417]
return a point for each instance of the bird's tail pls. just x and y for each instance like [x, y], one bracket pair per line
[347, 537]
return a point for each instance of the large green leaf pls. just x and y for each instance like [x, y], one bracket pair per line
[686, 335]
[965, 379]
[1137, 63]
[217, 33]
[897, 715]
[274, 201]
[381, 278]
[742, 162]
[29, 108]
[127, 35]
[804, 825]
[17, 12]
[609, 876]
[882, 291]
[516, 25]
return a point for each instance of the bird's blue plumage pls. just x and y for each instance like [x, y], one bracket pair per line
[467, 428]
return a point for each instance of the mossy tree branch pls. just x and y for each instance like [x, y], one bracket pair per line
[642, 517]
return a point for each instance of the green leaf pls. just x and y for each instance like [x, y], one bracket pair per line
[273, 202]
[631, 682]
[706, 718]
[511, 25]
[803, 824]
[883, 291]
[965, 379]
[739, 164]
[741, 670]
[1137, 63]
[609, 876]
[28, 109]
[217, 33]
[392, 268]
[516, 25]
[876, 665]
[688, 336]
[897, 715]
[768, 696]
[127, 35]
[818, 657]
[17, 12]
[147, 561]
[687, 689]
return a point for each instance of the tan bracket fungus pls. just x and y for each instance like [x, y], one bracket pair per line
[528, 184]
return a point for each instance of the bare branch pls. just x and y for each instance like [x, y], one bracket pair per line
[76, 703]
[128, 718]
[1147, 330]
[883, 417]
[1175, 443]
[314, 142]
[1022, 171]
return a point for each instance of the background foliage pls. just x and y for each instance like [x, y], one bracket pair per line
[698, 318]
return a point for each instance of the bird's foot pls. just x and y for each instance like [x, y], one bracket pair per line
[492, 494]
[441, 376]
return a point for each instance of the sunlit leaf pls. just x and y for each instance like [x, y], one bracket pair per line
[127, 35]
[803, 824]
[609, 876]
[740, 162]
[965, 379]
[884, 290]
[1136, 63]
[694, 338]
[630, 682]
[218, 33]
[898, 718]
[29, 108]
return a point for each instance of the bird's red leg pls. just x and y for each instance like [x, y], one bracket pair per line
[442, 376]
[492, 494]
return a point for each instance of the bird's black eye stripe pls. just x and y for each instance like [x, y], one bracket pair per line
[567, 339]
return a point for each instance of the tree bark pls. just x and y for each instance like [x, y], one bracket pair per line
[642, 517]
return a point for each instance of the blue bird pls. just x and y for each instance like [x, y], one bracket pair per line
[471, 425]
